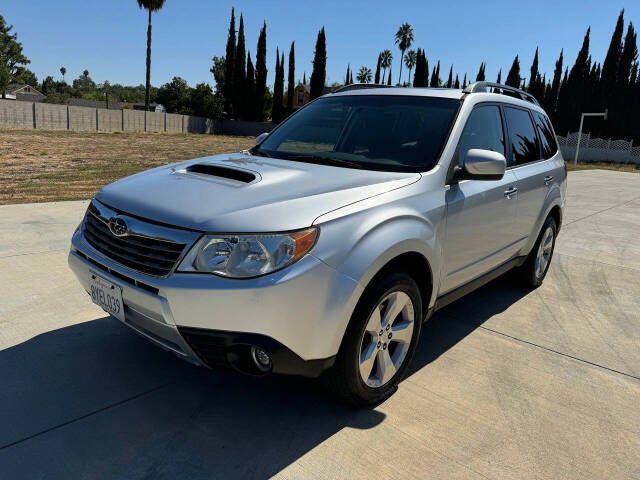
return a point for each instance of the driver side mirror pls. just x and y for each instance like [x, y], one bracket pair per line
[260, 138]
[480, 165]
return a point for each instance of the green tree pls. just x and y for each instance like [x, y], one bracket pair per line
[499, 79]
[11, 56]
[555, 86]
[84, 83]
[150, 6]
[364, 75]
[203, 103]
[63, 72]
[218, 69]
[278, 89]
[533, 76]
[410, 60]
[377, 76]
[250, 93]
[611, 60]
[572, 92]
[24, 76]
[481, 76]
[346, 77]
[404, 39]
[435, 76]
[260, 74]
[174, 96]
[418, 76]
[457, 83]
[450, 79]
[291, 77]
[239, 73]
[318, 74]
[464, 82]
[513, 77]
[389, 78]
[386, 57]
[230, 55]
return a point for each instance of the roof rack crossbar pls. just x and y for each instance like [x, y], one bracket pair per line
[359, 86]
[483, 86]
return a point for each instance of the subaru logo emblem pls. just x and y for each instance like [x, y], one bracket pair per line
[118, 226]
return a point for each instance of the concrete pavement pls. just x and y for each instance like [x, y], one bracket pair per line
[507, 383]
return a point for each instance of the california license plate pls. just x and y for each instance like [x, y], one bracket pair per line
[108, 296]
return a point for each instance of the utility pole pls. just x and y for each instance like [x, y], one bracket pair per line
[603, 114]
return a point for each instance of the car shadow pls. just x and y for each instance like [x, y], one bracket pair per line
[95, 400]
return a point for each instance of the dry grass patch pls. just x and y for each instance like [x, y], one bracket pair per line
[49, 165]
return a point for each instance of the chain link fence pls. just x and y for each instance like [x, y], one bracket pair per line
[598, 149]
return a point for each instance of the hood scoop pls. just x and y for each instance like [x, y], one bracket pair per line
[219, 171]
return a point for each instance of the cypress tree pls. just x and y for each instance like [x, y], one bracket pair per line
[229, 66]
[388, 79]
[457, 83]
[513, 77]
[571, 100]
[261, 74]
[250, 91]
[425, 79]
[533, 75]
[291, 79]
[304, 78]
[319, 65]
[499, 79]
[435, 76]
[555, 86]
[624, 118]
[346, 77]
[611, 60]
[450, 80]
[416, 73]
[464, 82]
[377, 76]
[278, 86]
[351, 77]
[480, 77]
[627, 58]
[239, 73]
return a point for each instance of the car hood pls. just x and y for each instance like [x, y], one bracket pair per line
[244, 193]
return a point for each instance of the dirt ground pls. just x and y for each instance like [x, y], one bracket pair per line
[49, 165]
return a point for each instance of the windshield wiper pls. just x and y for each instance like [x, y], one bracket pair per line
[320, 160]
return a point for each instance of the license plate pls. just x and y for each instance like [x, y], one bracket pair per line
[108, 296]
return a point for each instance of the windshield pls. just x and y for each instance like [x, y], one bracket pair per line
[374, 132]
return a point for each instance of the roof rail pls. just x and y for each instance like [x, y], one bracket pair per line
[484, 86]
[359, 86]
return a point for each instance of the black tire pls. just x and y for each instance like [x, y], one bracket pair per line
[528, 273]
[344, 379]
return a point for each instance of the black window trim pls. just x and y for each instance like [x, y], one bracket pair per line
[535, 129]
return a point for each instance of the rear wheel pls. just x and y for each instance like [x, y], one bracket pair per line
[537, 264]
[379, 342]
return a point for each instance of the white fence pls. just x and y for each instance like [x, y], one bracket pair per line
[598, 149]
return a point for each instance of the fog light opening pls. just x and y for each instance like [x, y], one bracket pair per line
[261, 359]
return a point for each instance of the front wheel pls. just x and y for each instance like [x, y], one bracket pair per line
[537, 264]
[379, 342]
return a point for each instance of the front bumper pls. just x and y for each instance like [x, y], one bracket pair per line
[298, 314]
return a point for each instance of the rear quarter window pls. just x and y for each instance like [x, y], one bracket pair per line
[522, 136]
[547, 137]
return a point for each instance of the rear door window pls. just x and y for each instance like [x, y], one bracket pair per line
[547, 137]
[522, 136]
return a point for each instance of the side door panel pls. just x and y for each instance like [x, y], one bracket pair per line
[480, 229]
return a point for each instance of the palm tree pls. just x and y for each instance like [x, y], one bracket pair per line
[364, 75]
[410, 61]
[386, 57]
[150, 6]
[63, 70]
[404, 39]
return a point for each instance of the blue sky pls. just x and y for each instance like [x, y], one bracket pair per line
[108, 37]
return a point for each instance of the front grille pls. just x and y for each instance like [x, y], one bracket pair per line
[142, 254]
[207, 345]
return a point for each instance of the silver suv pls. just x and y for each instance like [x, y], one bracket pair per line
[323, 249]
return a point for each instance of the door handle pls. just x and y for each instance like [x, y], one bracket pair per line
[547, 179]
[510, 191]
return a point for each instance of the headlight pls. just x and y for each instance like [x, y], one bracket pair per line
[244, 256]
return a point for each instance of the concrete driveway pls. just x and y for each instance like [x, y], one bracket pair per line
[507, 383]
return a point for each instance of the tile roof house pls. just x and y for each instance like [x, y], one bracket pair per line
[24, 93]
